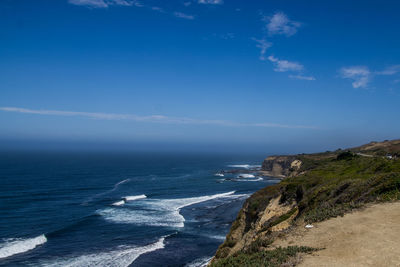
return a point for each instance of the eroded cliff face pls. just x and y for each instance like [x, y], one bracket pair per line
[281, 166]
[266, 212]
[318, 187]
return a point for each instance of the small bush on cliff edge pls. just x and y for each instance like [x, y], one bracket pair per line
[268, 258]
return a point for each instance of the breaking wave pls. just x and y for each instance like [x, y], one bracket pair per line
[118, 203]
[245, 166]
[201, 262]
[248, 180]
[128, 198]
[157, 212]
[122, 257]
[132, 198]
[15, 246]
[246, 175]
[115, 187]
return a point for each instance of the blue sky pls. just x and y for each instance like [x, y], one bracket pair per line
[257, 75]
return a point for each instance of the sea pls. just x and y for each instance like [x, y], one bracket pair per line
[120, 209]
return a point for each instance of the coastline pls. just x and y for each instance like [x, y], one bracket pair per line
[315, 190]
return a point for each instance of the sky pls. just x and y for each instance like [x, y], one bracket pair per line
[223, 75]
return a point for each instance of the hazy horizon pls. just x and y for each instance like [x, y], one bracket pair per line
[206, 75]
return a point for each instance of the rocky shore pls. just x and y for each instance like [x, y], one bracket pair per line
[314, 188]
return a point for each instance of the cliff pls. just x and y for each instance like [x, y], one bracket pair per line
[281, 166]
[318, 187]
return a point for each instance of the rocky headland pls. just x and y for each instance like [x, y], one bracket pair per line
[292, 223]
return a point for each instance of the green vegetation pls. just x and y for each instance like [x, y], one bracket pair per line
[330, 185]
[336, 186]
[284, 217]
[266, 258]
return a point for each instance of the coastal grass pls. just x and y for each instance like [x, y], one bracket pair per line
[331, 184]
[266, 258]
[330, 187]
[337, 186]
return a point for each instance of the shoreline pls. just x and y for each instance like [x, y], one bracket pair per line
[319, 192]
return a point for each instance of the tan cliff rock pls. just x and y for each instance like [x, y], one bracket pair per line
[281, 166]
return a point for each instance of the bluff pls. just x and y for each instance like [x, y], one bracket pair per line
[316, 188]
[281, 166]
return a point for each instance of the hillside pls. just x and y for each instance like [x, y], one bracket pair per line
[317, 187]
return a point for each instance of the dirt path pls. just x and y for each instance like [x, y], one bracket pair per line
[370, 237]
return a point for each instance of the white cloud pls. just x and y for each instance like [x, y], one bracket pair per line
[360, 75]
[183, 15]
[103, 3]
[211, 2]
[284, 65]
[151, 118]
[159, 9]
[279, 23]
[301, 77]
[263, 45]
[107, 3]
[389, 70]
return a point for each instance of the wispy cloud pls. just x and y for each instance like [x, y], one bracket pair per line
[285, 65]
[159, 9]
[361, 75]
[183, 15]
[211, 2]
[301, 77]
[151, 118]
[108, 3]
[391, 70]
[279, 23]
[263, 44]
[104, 3]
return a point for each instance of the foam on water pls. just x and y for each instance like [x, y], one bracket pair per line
[157, 212]
[248, 180]
[246, 175]
[115, 187]
[244, 166]
[132, 198]
[122, 257]
[201, 262]
[15, 246]
[118, 203]
[128, 198]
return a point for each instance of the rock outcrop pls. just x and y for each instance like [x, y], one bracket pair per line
[316, 188]
[281, 166]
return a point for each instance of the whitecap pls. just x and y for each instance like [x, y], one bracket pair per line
[121, 182]
[157, 212]
[132, 198]
[122, 257]
[13, 246]
[244, 166]
[249, 180]
[201, 262]
[219, 174]
[118, 203]
[246, 175]
[115, 187]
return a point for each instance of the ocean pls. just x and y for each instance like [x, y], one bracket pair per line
[119, 209]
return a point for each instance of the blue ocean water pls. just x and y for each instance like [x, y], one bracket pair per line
[118, 209]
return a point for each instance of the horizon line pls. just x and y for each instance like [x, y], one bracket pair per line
[150, 118]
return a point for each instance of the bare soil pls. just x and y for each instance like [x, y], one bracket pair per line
[368, 237]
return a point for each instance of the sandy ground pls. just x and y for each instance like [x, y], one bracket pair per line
[369, 237]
